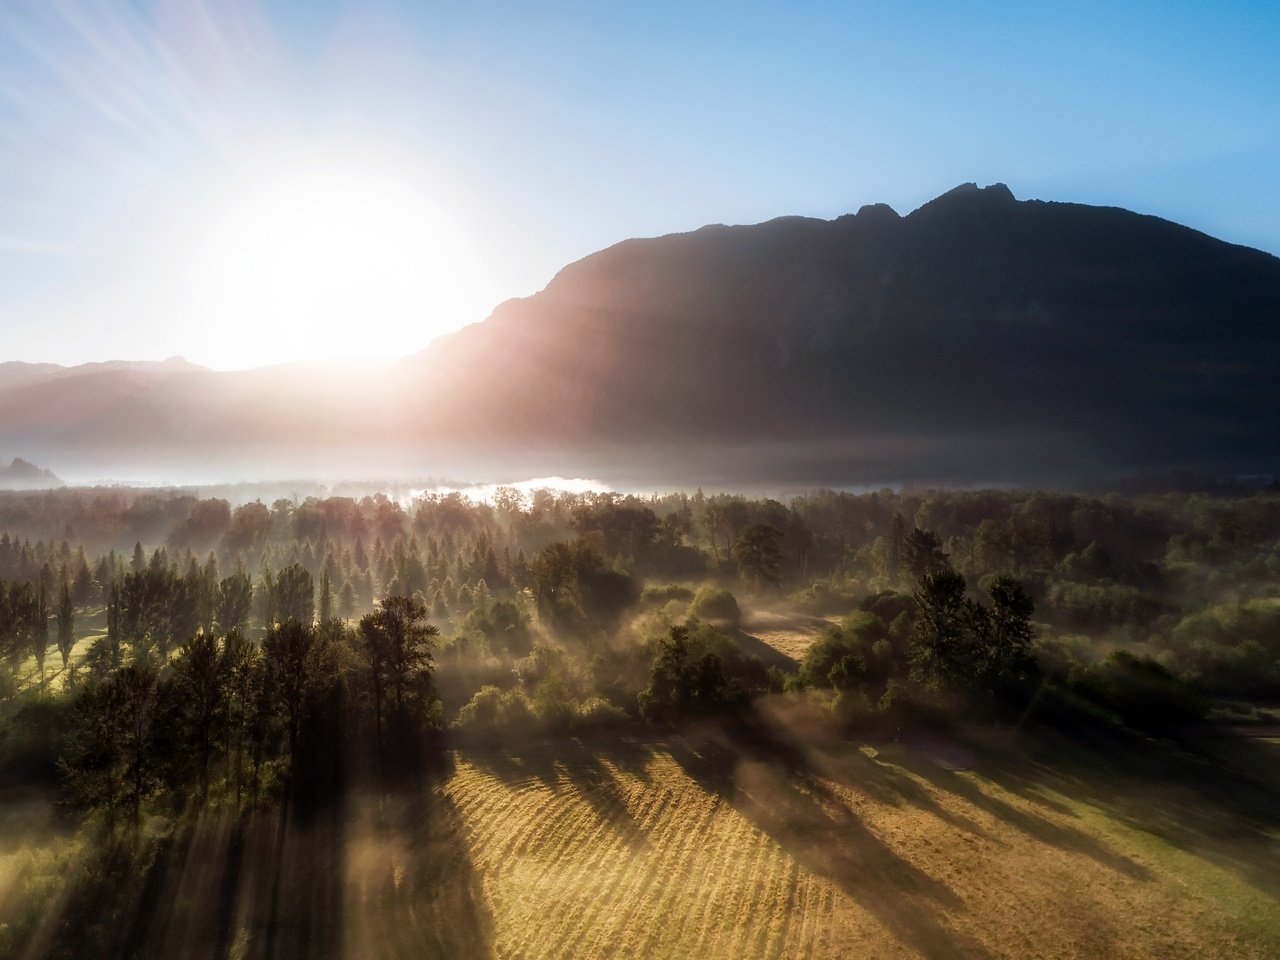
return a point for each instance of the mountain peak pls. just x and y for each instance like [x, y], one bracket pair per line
[969, 196]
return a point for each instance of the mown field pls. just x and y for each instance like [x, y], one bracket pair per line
[725, 842]
[695, 848]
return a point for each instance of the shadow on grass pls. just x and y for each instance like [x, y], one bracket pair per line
[1032, 824]
[580, 767]
[1210, 799]
[383, 872]
[772, 784]
[413, 890]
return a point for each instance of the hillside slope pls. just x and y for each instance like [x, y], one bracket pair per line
[978, 339]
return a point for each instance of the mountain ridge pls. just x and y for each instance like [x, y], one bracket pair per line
[978, 337]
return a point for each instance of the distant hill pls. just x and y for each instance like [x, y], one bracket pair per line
[21, 475]
[978, 339]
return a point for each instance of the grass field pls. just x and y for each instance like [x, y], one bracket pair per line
[728, 842]
[695, 849]
[788, 634]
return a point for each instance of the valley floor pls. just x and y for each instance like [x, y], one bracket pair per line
[766, 842]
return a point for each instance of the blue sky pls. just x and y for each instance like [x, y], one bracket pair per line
[145, 148]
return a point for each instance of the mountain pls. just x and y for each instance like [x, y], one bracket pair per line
[14, 372]
[21, 475]
[977, 339]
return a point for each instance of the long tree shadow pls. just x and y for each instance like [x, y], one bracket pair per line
[110, 896]
[413, 890]
[773, 785]
[809, 739]
[1212, 806]
[1032, 824]
[517, 766]
[596, 784]
[577, 766]
[886, 784]
[265, 886]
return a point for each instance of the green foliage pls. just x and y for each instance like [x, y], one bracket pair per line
[576, 592]
[686, 679]
[839, 657]
[397, 644]
[293, 594]
[717, 605]
[234, 602]
[922, 553]
[493, 710]
[659, 595]
[759, 554]
[960, 644]
[503, 624]
[1142, 692]
[109, 760]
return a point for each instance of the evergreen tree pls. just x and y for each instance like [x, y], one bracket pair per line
[66, 623]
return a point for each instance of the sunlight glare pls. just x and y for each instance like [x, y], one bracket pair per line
[338, 261]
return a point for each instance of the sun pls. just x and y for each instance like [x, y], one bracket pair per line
[334, 261]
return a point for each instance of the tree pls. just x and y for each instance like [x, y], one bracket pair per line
[922, 553]
[241, 671]
[347, 601]
[960, 644]
[1008, 662]
[941, 651]
[326, 597]
[684, 680]
[759, 551]
[234, 602]
[293, 594]
[113, 625]
[108, 761]
[66, 623]
[38, 629]
[291, 652]
[893, 560]
[200, 676]
[137, 697]
[398, 644]
[575, 591]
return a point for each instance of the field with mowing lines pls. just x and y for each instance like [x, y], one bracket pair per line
[696, 848]
[732, 841]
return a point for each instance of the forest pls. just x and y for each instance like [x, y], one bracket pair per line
[166, 655]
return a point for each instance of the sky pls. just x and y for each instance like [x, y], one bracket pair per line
[246, 183]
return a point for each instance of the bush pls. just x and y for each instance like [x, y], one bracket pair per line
[1142, 692]
[492, 710]
[598, 712]
[822, 597]
[659, 595]
[717, 605]
[686, 679]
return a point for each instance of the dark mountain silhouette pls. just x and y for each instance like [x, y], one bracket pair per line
[978, 339]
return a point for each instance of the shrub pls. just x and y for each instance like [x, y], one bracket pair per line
[598, 712]
[659, 595]
[718, 605]
[1142, 692]
[492, 710]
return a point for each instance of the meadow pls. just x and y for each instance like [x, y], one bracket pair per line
[728, 842]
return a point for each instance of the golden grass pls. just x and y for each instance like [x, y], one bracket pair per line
[789, 634]
[694, 851]
[773, 841]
